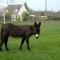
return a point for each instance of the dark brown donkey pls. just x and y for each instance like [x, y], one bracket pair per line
[23, 31]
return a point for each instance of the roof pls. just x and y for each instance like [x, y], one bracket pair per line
[11, 8]
[14, 6]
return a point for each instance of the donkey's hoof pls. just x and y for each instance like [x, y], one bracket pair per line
[7, 50]
[29, 48]
[20, 49]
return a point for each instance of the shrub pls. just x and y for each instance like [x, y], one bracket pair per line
[25, 16]
[8, 16]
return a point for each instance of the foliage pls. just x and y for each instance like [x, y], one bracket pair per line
[1, 17]
[25, 16]
[25, 4]
[53, 18]
[51, 14]
[8, 16]
[18, 18]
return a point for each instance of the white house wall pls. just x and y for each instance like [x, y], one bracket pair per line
[21, 11]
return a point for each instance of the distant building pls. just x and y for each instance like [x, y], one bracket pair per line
[16, 11]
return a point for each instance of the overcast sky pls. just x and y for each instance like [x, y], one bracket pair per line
[35, 4]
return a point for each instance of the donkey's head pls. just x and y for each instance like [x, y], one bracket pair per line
[37, 29]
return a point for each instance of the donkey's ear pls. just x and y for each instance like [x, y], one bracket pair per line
[39, 23]
[35, 23]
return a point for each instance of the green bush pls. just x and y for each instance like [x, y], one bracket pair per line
[8, 16]
[53, 18]
[1, 18]
[25, 16]
[18, 18]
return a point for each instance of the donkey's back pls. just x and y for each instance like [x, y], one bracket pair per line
[14, 30]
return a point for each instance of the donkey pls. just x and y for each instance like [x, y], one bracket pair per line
[23, 31]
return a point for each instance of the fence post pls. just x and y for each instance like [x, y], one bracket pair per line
[4, 16]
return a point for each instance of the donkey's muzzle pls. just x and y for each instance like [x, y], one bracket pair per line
[37, 35]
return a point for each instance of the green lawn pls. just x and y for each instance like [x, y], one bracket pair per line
[46, 47]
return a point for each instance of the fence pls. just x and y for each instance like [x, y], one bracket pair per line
[29, 19]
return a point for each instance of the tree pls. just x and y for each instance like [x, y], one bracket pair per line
[25, 4]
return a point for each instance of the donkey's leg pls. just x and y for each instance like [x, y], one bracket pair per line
[2, 39]
[22, 43]
[27, 42]
[5, 42]
[1, 45]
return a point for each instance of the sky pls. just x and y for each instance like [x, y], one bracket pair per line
[35, 4]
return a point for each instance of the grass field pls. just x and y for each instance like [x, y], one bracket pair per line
[46, 47]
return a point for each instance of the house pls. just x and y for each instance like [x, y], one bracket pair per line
[16, 11]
